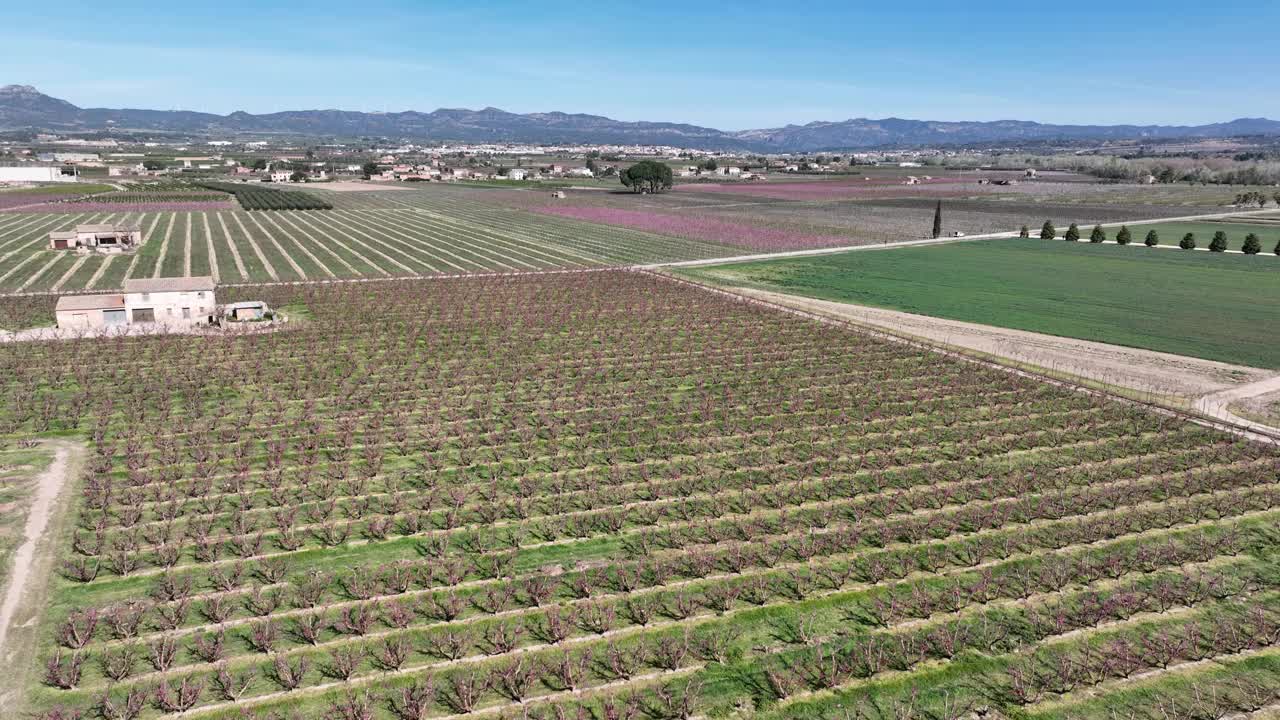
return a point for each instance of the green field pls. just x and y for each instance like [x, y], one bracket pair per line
[1197, 304]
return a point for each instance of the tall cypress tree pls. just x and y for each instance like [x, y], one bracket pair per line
[937, 221]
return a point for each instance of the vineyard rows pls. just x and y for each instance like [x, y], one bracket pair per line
[257, 197]
[607, 495]
[239, 247]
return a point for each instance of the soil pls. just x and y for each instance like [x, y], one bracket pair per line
[28, 579]
[1160, 374]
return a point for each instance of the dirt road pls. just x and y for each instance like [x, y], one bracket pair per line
[28, 579]
[1218, 404]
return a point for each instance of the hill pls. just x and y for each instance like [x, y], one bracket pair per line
[24, 107]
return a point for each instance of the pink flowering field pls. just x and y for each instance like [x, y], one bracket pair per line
[754, 237]
[835, 190]
[16, 199]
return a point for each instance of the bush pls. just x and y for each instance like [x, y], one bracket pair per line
[1025, 232]
[1252, 245]
[1073, 233]
[1123, 237]
[1098, 235]
[1153, 238]
[1048, 232]
[1277, 250]
[1219, 242]
[1188, 242]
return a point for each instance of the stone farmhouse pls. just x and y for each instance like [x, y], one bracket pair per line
[106, 238]
[174, 302]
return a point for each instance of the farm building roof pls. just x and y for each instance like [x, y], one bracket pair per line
[106, 227]
[89, 302]
[176, 284]
[62, 234]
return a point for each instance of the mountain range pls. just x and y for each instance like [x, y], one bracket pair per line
[24, 107]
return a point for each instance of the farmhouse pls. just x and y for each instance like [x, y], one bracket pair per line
[174, 302]
[516, 174]
[280, 176]
[38, 173]
[102, 238]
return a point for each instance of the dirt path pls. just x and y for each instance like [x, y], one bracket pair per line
[1218, 404]
[28, 580]
[1146, 371]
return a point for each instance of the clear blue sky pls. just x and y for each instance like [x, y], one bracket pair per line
[730, 65]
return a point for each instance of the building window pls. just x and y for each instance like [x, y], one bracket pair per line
[186, 313]
[200, 295]
[146, 297]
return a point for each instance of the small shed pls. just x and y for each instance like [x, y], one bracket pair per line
[245, 311]
[558, 194]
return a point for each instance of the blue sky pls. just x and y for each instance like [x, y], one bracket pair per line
[730, 65]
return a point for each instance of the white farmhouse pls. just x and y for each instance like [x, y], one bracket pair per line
[516, 174]
[102, 238]
[38, 173]
[280, 176]
[175, 302]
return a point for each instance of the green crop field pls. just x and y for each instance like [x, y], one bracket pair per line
[607, 495]
[1220, 307]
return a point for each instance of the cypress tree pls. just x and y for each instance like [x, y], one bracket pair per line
[1252, 245]
[1048, 232]
[1219, 242]
[1073, 233]
[1188, 242]
[937, 221]
[1277, 250]
[1098, 235]
[1153, 238]
[1123, 237]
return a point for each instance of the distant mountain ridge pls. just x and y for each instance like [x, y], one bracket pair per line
[24, 107]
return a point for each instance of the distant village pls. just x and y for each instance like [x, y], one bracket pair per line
[53, 158]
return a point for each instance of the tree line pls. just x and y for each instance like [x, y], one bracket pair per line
[1252, 243]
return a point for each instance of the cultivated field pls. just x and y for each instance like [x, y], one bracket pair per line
[608, 495]
[1218, 307]
[445, 236]
[419, 229]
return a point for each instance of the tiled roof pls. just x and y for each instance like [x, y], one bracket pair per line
[175, 284]
[89, 302]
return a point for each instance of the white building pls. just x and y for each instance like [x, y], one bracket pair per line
[175, 302]
[516, 174]
[280, 176]
[37, 173]
[103, 238]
